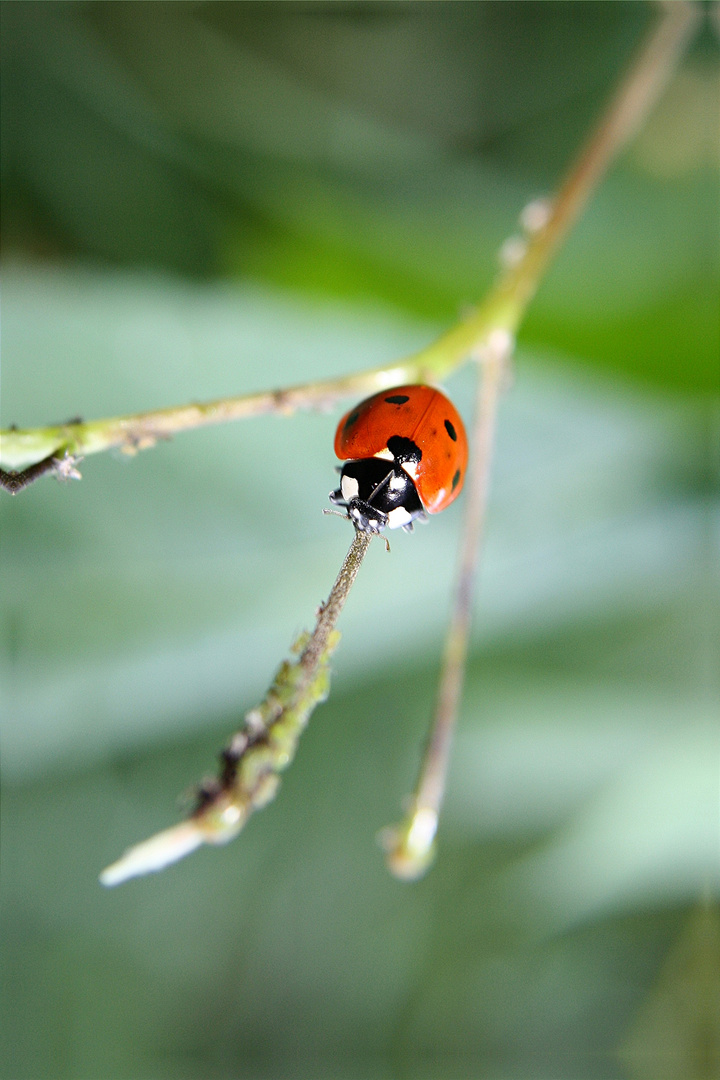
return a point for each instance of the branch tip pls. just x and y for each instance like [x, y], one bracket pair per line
[410, 847]
[264, 747]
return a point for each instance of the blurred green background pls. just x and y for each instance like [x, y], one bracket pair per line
[202, 199]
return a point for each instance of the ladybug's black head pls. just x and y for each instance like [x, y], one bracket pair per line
[377, 494]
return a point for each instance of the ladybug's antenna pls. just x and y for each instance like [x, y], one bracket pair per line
[346, 517]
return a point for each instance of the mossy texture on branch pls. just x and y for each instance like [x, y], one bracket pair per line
[263, 747]
[250, 767]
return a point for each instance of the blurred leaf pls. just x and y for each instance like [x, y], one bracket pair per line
[677, 1034]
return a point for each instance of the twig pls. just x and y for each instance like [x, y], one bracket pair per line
[409, 846]
[61, 463]
[141, 431]
[261, 750]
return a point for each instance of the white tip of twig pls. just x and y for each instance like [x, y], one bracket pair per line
[409, 847]
[422, 830]
[154, 854]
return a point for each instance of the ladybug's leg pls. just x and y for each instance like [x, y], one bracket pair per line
[365, 517]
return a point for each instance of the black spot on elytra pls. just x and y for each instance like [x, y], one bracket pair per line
[403, 449]
[456, 479]
[397, 399]
[451, 431]
[350, 420]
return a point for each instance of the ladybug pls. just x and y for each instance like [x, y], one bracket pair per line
[405, 453]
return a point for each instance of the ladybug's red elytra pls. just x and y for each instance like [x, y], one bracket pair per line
[405, 453]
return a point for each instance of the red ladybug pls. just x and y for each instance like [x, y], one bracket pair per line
[408, 455]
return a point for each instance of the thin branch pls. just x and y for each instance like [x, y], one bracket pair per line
[61, 463]
[409, 846]
[502, 309]
[261, 750]
[141, 431]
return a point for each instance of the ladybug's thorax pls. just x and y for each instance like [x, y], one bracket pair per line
[378, 494]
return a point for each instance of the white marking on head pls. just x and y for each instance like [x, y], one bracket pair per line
[349, 487]
[398, 517]
[397, 483]
[411, 468]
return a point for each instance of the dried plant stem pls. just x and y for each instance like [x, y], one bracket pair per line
[409, 846]
[261, 750]
[330, 611]
[633, 99]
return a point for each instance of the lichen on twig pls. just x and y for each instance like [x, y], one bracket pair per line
[263, 748]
